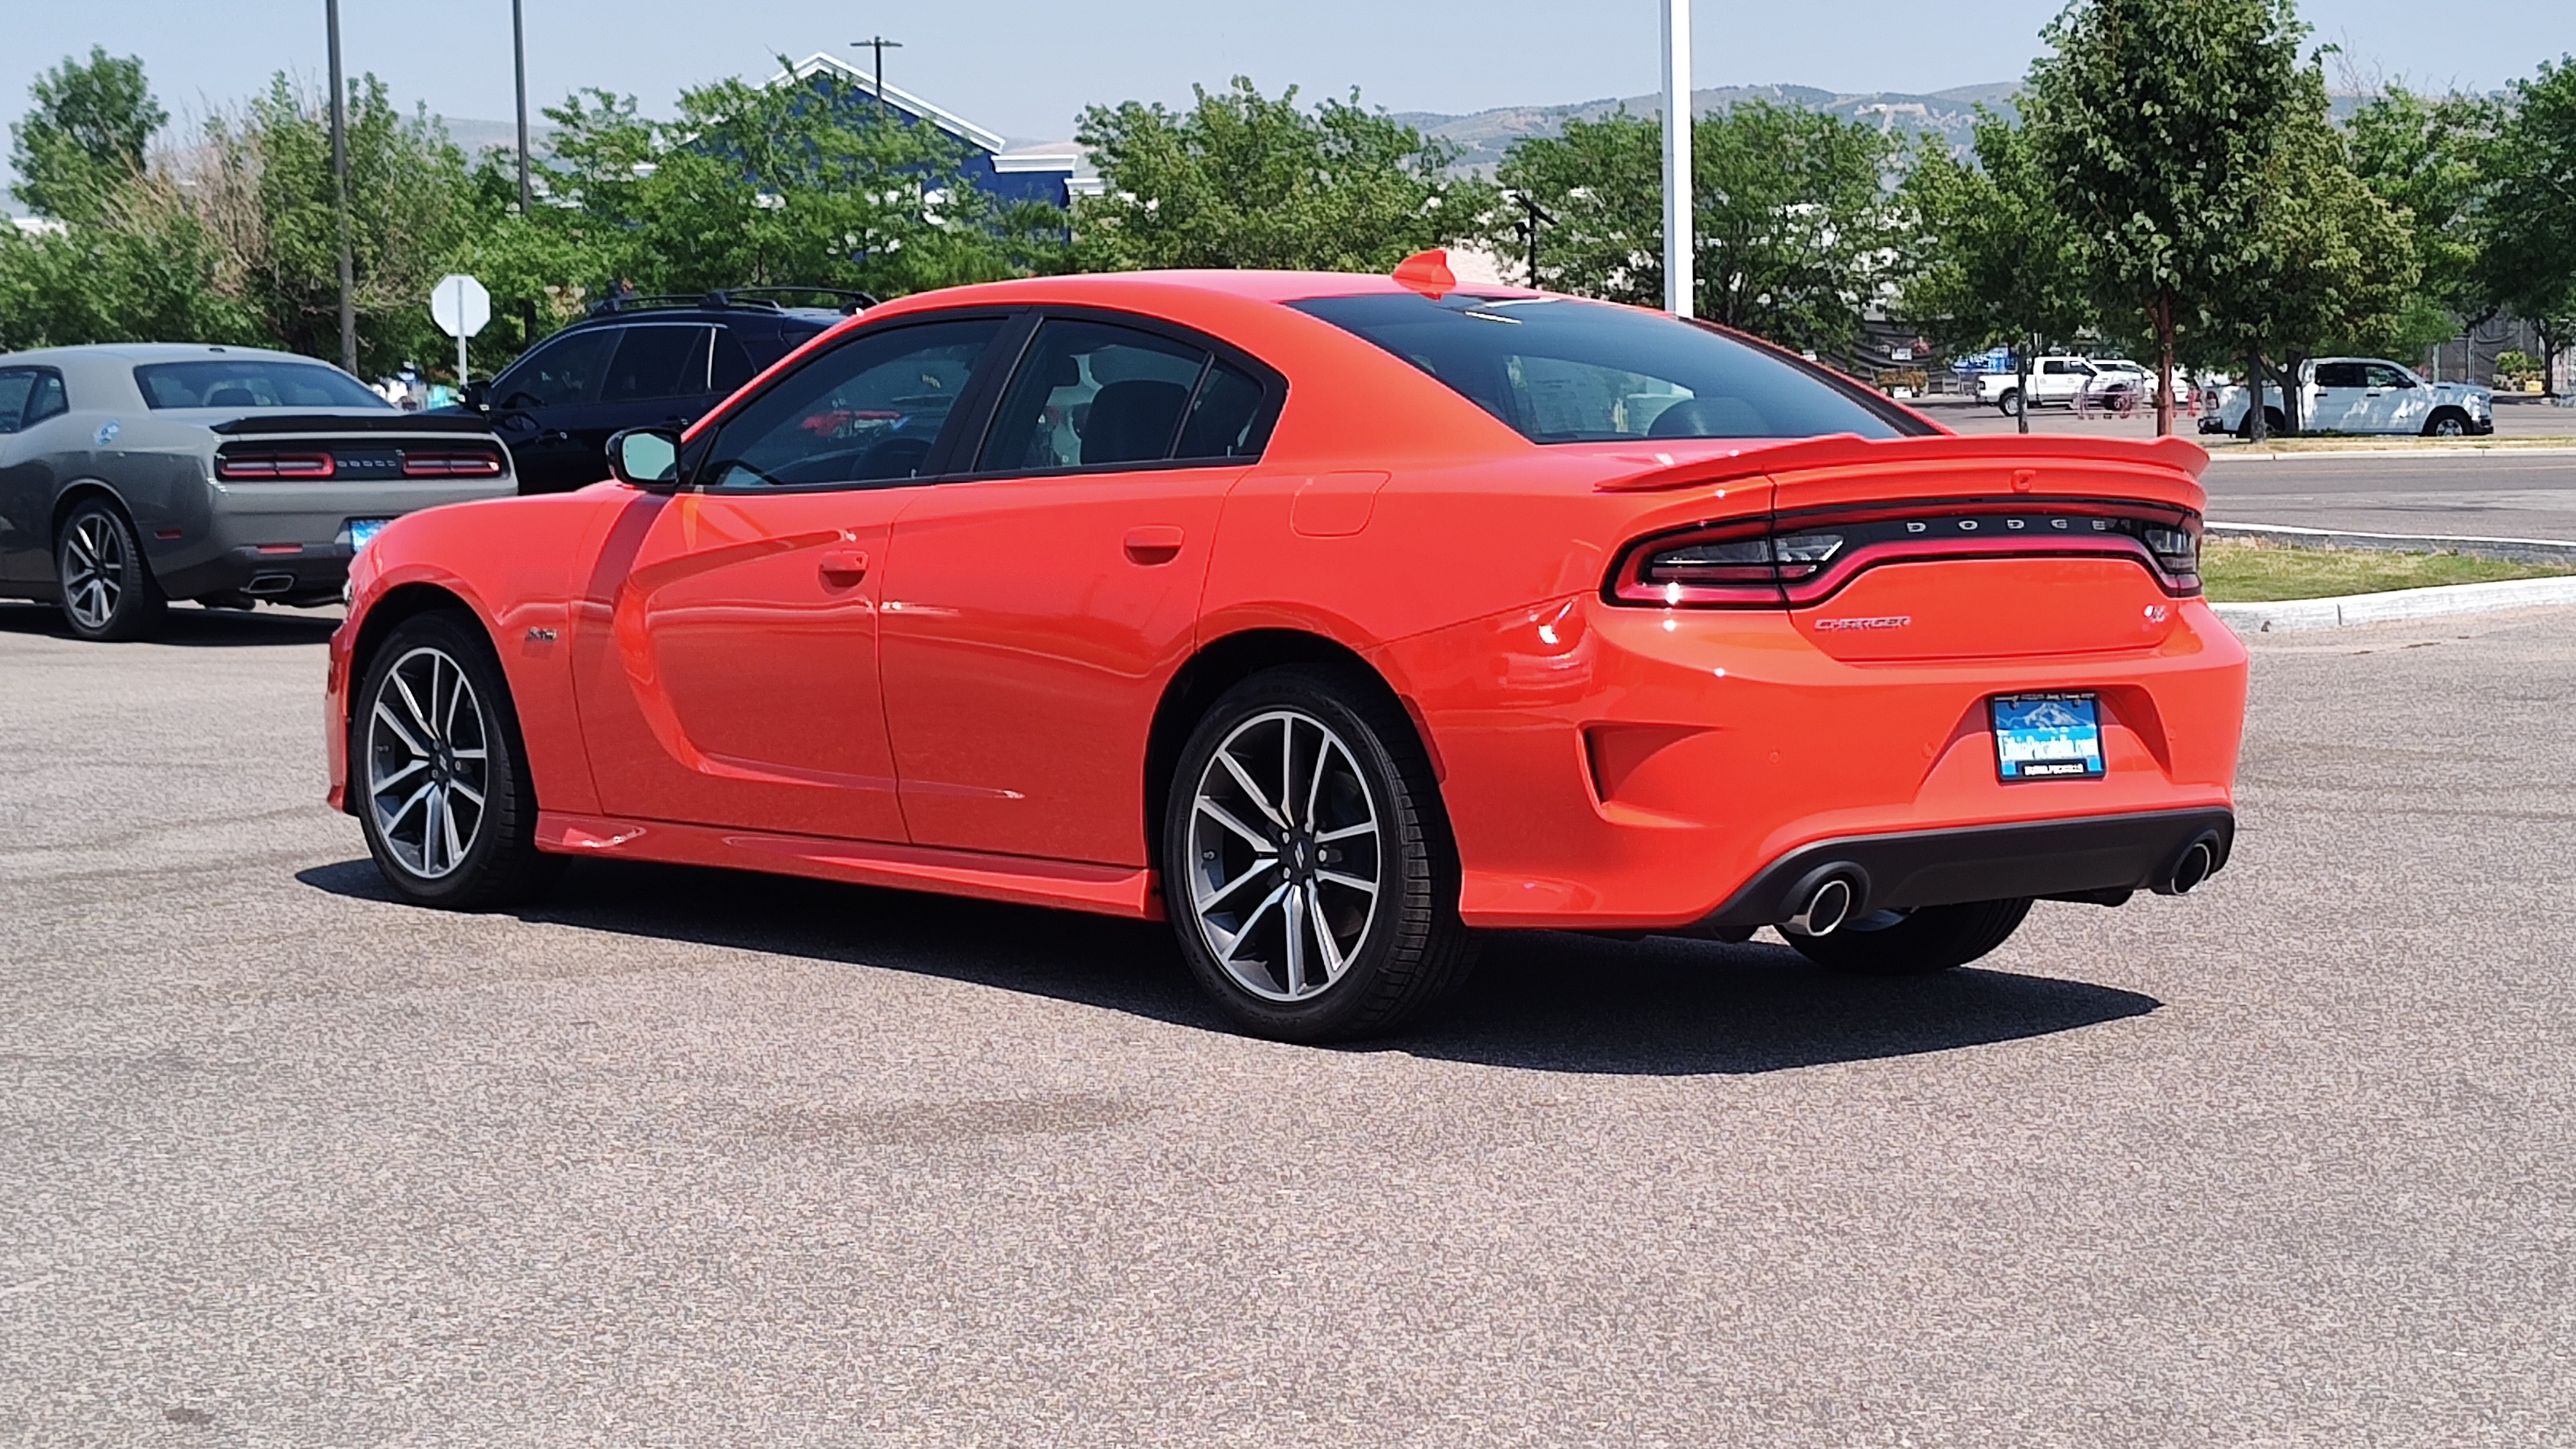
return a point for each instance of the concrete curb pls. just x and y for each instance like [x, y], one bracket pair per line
[2552, 448]
[2514, 550]
[2249, 620]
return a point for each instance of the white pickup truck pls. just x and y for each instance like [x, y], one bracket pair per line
[2063, 381]
[2360, 395]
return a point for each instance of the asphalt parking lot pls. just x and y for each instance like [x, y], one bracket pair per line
[691, 1158]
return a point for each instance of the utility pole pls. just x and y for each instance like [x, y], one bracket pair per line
[880, 45]
[340, 195]
[519, 60]
[1679, 285]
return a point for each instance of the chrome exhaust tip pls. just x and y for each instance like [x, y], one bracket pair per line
[264, 585]
[2198, 861]
[1827, 906]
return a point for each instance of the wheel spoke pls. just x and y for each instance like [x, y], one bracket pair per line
[1227, 940]
[1288, 770]
[1207, 899]
[465, 754]
[1365, 827]
[385, 714]
[411, 702]
[455, 697]
[472, 795]
[1294, 918]
[447, 828]
[1349, 882]
[424, 792]
[1315, 781]
[1260, 842]
[1243, 778]
[387, 782]
[1331, 949]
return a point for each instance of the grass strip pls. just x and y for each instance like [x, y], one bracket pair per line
[2257, 571]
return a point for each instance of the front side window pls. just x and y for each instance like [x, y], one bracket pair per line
[252, 382]
[2383, 375]
[870, 411]
[1562, 370]
[564, 372]
[657, 362]
[1093, 393]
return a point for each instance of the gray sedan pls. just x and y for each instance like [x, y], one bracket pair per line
[131, 475]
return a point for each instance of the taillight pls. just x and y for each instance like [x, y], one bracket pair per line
[273, 465]
[1803, 559]
[450, 465]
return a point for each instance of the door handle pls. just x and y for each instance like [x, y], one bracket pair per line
[1157, 543]
[844, 565]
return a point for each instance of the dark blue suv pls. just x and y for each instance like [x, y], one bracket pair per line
[642, 362]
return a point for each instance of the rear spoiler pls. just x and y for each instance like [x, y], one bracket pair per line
[354, 423]
[1950, 450]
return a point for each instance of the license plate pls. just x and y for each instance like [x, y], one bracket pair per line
[363, 531]
[2047, 736]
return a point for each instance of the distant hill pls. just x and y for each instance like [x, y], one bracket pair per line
[1486, 135]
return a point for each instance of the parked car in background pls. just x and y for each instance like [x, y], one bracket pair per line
[2059, 381]
[1329, 618]
[641, 362]
[133, 474]
[2359, 395]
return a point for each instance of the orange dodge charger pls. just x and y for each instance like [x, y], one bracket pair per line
[1331, 618]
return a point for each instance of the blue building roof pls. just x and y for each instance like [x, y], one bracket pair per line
[1050, 172]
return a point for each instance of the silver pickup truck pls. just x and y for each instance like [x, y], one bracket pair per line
[133, 474]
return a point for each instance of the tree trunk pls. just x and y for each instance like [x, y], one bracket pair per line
[2021, 388]
[2257, 427]
[2294, 417]
[2165, 366]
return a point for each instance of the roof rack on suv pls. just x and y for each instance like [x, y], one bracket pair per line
[746, 299]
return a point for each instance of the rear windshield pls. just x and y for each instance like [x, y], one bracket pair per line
[252, 383]
[1561, 370]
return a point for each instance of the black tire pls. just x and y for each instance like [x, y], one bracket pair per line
[107, 588]
[2273, 423]
[2447, 423]
[2006, 403]
[492, 858]
[1914, 943]
[1404, 952]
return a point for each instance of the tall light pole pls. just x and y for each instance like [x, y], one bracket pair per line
[519, 60]
[1678, 282]
[340, 195]
[880, 45]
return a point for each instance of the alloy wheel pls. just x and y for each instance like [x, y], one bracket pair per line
[428, 763]
[93, 570]
[1286, 855]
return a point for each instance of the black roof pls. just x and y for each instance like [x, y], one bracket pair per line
[830, 302]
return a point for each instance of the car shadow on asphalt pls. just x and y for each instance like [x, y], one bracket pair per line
[191, 627]
[1539, 1001]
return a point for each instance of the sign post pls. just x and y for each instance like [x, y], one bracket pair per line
[460, 306]
[1679, 284]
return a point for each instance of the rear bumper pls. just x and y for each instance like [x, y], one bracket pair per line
[2097, 858]
[1611, 768]
[291, 540]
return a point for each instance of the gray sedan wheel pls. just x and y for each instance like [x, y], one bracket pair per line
[108, 591]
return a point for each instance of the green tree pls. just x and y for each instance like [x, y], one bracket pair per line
[1241, 180]
[2332, 269]
[2431, 158]
[2157, 120]
[2527, 260]
[1792, 228]
[84, 135]
[1996, 262]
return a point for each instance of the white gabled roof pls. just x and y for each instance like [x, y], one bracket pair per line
[865, 79]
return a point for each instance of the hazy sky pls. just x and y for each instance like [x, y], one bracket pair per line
[1024, 67]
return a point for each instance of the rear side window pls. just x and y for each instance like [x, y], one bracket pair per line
[1089, 394]
[563, 372]
[731, 367]
[1560, 370]
[16, 387]
[873, 410]
[657, 362]
[48, 399]
[2342, 374]
[252, 382]
[1222, 416]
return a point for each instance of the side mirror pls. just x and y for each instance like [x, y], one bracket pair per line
[646, 458]
[477, 396]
